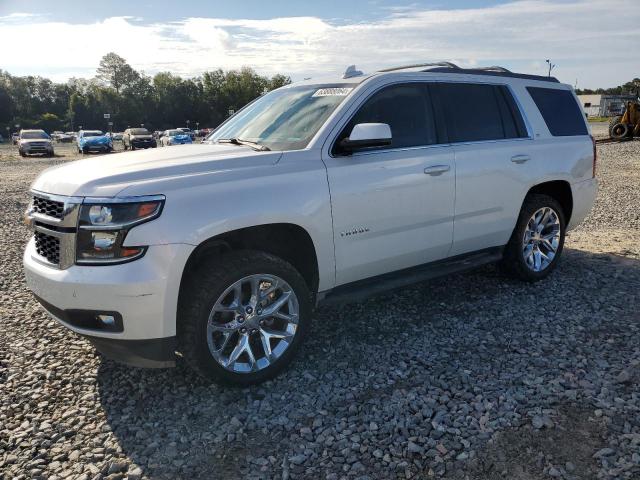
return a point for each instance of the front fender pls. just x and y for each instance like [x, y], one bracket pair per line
[199, 207]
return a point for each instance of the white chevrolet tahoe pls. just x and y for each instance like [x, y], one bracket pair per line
[315, 192]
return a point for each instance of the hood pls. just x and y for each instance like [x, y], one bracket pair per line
[180, 137]
[106, 177]
[100, 139]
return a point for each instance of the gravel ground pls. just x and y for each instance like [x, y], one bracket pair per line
[477, 377]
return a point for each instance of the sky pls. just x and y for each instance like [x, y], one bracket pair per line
[593, 43]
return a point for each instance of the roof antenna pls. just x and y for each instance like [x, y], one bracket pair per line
[351, 72]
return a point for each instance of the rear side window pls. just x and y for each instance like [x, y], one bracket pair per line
[406, 108]
[560, 111]
[477, 112]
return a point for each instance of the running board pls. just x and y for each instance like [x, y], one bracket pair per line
[363, 289]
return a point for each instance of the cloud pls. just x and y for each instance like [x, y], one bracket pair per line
[589, 40]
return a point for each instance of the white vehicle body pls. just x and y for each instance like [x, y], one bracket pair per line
[365, 215]
[34, 142]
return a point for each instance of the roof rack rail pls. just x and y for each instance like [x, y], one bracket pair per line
[494, 68]
[417, 65]
[448, 67]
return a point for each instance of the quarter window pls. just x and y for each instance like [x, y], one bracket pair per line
[560, 111]
[406, 109]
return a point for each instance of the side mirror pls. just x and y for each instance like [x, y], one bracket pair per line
[367, 135]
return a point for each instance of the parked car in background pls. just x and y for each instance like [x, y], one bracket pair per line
[62, 137]
[94, 141]
[32, 142]
[117, 136]
[174, 137]
[14, 138]
[188, 131]
[315, 192]
[138, 138]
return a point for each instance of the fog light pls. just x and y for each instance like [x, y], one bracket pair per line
[107, 320]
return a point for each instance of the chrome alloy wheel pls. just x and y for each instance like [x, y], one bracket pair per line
[253, 323]
[541, 239]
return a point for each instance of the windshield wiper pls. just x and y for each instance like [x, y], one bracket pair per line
[248, 143]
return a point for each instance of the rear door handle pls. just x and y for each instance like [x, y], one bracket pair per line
[437, 170]
[520, 158]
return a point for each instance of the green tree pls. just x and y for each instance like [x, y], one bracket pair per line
[116, 72]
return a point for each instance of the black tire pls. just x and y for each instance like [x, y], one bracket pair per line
[201, 289]
[613, 121]
[619, 131]
[513, 261]
[85, 151]
[132, 148]
[22, 154]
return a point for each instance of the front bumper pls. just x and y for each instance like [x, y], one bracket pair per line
[144, 293]
[143, 143]
[33, 149]
[97, 147]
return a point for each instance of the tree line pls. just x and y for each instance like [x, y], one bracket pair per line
[130, 97]
[629, 88]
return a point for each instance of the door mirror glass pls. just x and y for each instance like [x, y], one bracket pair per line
[367, 135]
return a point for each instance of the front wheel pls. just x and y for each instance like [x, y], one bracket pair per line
[242, 316]
[537, 241]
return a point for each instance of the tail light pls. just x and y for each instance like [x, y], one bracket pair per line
[595, 156]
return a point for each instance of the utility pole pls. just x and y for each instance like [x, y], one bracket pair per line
[551, 66]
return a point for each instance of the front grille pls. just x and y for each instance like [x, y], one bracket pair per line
[48, 247]
[47, 207]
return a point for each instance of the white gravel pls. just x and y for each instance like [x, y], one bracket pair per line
[476, 377]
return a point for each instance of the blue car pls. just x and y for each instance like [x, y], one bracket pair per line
[174, 137]
[94, 141]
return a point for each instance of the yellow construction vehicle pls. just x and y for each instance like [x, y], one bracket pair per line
[627, 125]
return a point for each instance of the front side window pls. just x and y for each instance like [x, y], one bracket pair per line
[285, 119]
[406, 108]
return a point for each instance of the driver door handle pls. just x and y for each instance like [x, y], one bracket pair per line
[437, 170]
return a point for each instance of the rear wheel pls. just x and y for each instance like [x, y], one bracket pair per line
[242, 317]
[538, 239]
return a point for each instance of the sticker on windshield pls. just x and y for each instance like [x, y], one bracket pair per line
[332, 92]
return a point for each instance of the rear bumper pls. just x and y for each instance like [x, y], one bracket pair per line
[584, 195]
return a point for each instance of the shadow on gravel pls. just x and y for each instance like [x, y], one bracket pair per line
[476, 345]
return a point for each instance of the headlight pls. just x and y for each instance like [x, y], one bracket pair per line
[103, 227]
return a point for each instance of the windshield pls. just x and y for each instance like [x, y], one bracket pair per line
[34, 135]
[285, 119]
[173, 133]
[139, 131]
[92, 134]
